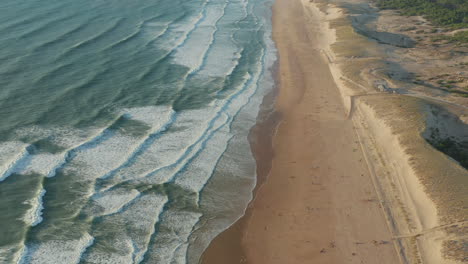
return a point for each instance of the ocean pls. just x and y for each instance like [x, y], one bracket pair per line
[124, 126]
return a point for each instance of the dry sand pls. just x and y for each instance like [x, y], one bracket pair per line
[353, 178]
[318, 204]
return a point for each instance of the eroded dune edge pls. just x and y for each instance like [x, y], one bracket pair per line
[421, 190]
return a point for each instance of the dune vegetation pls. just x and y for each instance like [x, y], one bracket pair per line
[451, 13]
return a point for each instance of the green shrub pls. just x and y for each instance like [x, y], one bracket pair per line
[453, 13]
[460, 37]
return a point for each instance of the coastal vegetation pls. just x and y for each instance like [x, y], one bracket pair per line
[458, 150]
[451, 13]
[461, 36]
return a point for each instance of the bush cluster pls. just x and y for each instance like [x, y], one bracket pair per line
[461, 37]
[453, 13]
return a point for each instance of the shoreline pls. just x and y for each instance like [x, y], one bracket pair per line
[231, 247]
[227, 248]
[388, 195]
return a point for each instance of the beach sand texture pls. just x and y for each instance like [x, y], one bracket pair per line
[318, 204]
[352, 178]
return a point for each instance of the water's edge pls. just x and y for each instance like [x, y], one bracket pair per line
[260, 141]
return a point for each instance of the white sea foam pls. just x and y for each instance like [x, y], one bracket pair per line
[224, 55]
[169, 244]
[195, 149]
[237, 162]
[138, 222]
[142, 222]
[192, 52]
[11, 153]
[163, 152]
[113, 201]
[65, 137]
[180, 254]
[42, 163]
[57, 251]
[20, 163]
[15, 158]
[135, 150]
[34, 215]
[154, 29]
[185, 154]
[183, 143]
[178, 32]
[171, 149]
[156, 116]
[200, 169]
[124, 256]
[98, 158]
[101, 152]
[11, 253]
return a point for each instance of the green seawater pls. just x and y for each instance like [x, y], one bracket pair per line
[123, 126]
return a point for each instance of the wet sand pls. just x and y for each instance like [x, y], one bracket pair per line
[318, 203]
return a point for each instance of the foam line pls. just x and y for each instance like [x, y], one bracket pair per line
[142, 146]
[190, 151]
[172, 144]
[203, 38]
[101, 136]
[164, 245]
[43, 163]
[179, 152]
[178, 161]
[155, 116]
[179, 147]
[11, 253]
[179, 41]
[220, 112]
[69, 155]
[219, 59]
[34, 215]
[198, 20]
[201, 167]
[144, 252]
[181, 159]
[188, 176]
[149, 221]
[162, 33]
[140, 218]
[114, 201]
[57, 251]
[10, 154]
[19, 161]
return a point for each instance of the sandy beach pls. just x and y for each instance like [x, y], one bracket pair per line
[234, 132]
[318, 204]
[350, 175]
